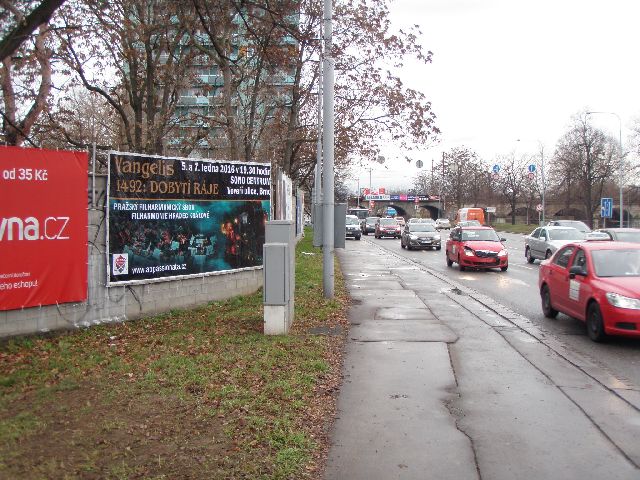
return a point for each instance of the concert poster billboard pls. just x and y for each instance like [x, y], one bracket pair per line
[182, 217]
[43, 227]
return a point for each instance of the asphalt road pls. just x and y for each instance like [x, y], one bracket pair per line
[517, 289]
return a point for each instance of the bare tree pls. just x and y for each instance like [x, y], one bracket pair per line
[27, 62]
[585, 158]
[137, 58]
[80, 119]
[464, 176]
[513, 179]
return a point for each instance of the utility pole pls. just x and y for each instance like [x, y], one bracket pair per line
[328, 150]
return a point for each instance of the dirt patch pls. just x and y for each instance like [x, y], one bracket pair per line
[83, 433]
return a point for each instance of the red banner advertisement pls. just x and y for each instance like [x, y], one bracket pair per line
[43, 227]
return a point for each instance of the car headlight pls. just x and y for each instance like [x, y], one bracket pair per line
[623, 302]
[468, 252]
[413, 237]
[502, 253]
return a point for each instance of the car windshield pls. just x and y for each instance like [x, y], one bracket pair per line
[566, 234]
[422, 227]
[372, 220]
[480, 235]
[387, 222]
[628, 236]
[616, 263]
[352, 221]
[583, 227]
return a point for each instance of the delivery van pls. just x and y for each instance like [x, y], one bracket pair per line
[466, 214]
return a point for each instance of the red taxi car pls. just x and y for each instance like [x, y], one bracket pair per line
[596, 282]
[476, 247]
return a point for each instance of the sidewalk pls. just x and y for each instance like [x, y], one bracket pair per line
[437, 386]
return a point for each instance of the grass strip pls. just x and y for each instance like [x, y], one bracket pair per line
[198, 393]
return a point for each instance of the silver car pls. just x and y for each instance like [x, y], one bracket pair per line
[420, 235]
[544, 241]
[622, 234]
[443, 223]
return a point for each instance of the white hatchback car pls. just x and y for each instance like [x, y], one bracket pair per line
[443, 223]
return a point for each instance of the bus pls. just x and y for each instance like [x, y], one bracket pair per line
[361, 213]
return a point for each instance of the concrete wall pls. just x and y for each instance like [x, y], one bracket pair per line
[121, 303]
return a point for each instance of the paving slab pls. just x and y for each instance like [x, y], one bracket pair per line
[403, 330]
[395, 425]
[404, 313]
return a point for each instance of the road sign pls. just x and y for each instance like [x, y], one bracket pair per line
[606, 207]
[496, 168]
[531, 168]
[491, 209]
[496, 176]
[419, 164]
[532, 176]
[539, 207]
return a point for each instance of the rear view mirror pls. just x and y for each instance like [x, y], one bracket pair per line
[576, 270]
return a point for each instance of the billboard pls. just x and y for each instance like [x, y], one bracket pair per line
[179, 217]
[43, 227]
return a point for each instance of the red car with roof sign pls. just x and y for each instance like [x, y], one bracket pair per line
[596, 282]
[476, 247]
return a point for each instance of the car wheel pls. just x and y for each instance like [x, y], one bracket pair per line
[548, 254]
[449, 261]
[438, 248]
[408, 246]
[504, 269]
[460, 266]
[527, 254]
[358, 237]
[366, 233]
[595, 326]
[547, 309]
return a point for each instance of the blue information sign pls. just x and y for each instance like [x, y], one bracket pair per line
[606, 207]
[532, 168]
[496, 168]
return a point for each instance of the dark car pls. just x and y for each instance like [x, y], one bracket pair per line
[387, 227]
[476, 247]
[622, 234]
[597, 283]
[577, 224]
[420, 235]
[369, 225]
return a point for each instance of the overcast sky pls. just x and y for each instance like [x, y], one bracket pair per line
[504, 70]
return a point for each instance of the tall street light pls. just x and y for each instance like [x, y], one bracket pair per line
[619, 160]
[328, 136]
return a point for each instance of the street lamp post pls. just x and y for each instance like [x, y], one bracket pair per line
[619, 160]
